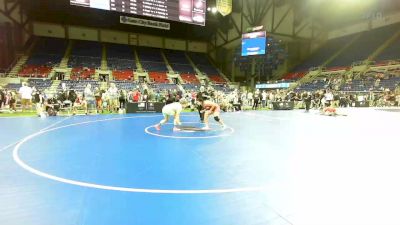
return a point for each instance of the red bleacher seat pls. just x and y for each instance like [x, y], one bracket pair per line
[190, 79]
[337, 68]
[123, 75]
[159, 77]
[35, 71]
[217, 79]
[82, 73]
[294, 76]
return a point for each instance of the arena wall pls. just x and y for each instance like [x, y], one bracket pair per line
[366, 25]
[175, 44]
[117, 37]
[150, 41]
[48, 30]
[83, 33]
[196, 46]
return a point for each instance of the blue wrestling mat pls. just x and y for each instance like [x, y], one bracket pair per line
[263, 168]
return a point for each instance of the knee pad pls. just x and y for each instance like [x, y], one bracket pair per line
[216, 118]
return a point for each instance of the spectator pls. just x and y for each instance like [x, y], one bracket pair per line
[97, 96]
[26, 96]
[113, 95]
[122, 99]
[89, 99]
[2, 97]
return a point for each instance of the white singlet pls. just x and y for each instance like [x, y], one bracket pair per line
[172, 109]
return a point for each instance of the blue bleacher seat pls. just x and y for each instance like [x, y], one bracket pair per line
[48, 52]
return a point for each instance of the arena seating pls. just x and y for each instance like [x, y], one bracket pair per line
[84, 61]
[38, 71]
[217, 79]
[371, 81]
[222, 88]
[390, 83]
[120, 57]
[47, 52]
[191, 86]
[364, 46]
[324, 53]
[86, 54]
[39, 84]
[183, 68]
[12, 86]
[161, 87]
[121, 64]
[179, 62]
[202, 63]
[294, 76]
[190, 78]
[151, 59]
[126, 85]
[123, 75]
[391, 52]
[312, 86]
[158, 77]
[78, 85]
[82, 73]
[154, 66]
[359, 85]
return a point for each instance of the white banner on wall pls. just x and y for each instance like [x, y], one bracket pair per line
[144, 23]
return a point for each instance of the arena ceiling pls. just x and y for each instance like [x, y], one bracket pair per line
[61, 12]
[336, 13]
[285, 18]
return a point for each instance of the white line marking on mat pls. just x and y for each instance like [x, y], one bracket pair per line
[25, 166]
[52, 125]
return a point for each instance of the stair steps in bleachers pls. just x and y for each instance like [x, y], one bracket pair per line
[52, 72]
[280, 72]
[203, 79]
[104, 58]
[193, 65]
[169, 67]
[171, 76]
[384, 46]
[67, 54]
[180, 87]
[181, 81]
[135, 76]
[334, 56]
[313, 74]
[23, 58]
[18, 66]
[139, 66]
[103, 86]
[106, 72]
[307, 78]
[68, 74]
[141, 74]
[53, 88]
[223, 75]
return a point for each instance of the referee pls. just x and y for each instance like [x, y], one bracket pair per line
[201, 96]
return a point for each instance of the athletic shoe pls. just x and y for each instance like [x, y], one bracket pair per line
[158, 127]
